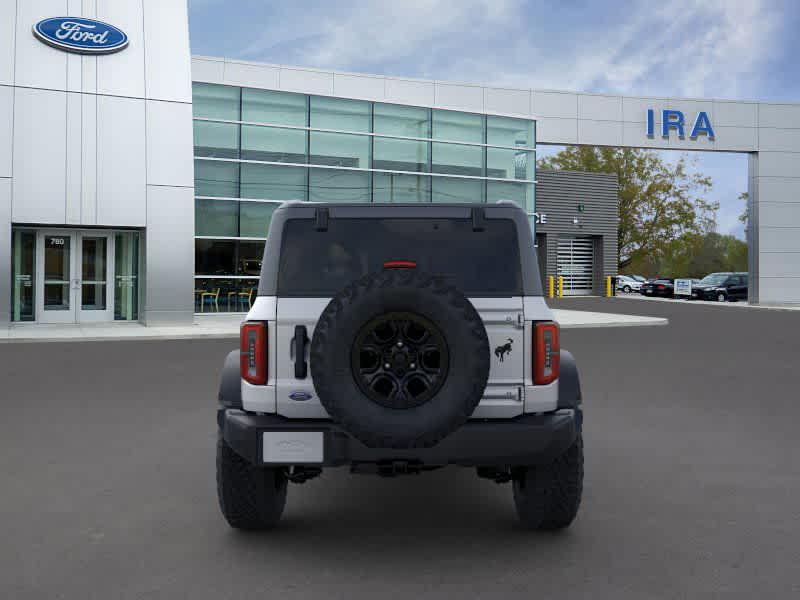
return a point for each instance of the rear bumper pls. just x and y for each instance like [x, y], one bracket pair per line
[525, 440]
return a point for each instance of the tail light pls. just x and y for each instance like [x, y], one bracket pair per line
[253, 352]
[400, 264]
[661, 287]
[546, 352]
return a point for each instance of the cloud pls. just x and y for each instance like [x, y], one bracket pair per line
[687, 47]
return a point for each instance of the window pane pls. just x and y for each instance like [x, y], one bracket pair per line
[400, 155]
[214, 257]
[391, 187]
[281, 108]
[457, 126]
[509, 164]
[340, 150]
[254, 218]
[224, 295]
[335, 113]
[457, 159]
[450, 189]
[506, 131]
[272, 182]
[212, 178]
[408, 121]
[126, 276]
[273, 144]
[220, 140]
[23, 252]
[216, 217]
[521, 193]
[215, 101]
[250, 256]
[336, 185]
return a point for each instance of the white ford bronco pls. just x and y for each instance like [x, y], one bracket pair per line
[398, 339]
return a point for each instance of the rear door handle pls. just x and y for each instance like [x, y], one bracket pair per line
[300, 341]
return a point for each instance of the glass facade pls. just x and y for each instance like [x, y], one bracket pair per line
[257, 148]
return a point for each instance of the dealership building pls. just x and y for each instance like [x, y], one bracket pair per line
[137, 182]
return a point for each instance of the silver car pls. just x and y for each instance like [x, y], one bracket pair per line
[627, 284]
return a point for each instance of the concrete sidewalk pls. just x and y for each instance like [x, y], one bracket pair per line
[227, 326]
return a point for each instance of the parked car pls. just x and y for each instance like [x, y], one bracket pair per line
[627, 284]
[638, 278]
[721, 287]
[663, 288]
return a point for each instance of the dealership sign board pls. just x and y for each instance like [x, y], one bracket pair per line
[675, 120]
[84, 36]
[683, 287]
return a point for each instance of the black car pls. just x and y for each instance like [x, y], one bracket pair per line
[663, 288]
[722, 287]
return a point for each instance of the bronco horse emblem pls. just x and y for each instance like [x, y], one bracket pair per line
[501, 351]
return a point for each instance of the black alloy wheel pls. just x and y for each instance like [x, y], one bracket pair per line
[399, 360]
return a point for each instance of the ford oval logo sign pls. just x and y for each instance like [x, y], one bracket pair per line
[84, 36]
[300, 396]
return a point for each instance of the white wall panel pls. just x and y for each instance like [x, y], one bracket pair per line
[74, 158]
[735, 114]
[169, 254]
[408, 91]
[166, 37]
[779, 189]
[36, 64]
[169, 143]
[599, 108]
[738, 139]
[6, 128]
[250, 75]
[122, 73]
[39, 156]
[779, 115]
[779, 264]
[779, 164]
[779, 239]
[358, 86]
[306, 81]
[8, 23]
[779, 290]
[781, 140]
[634, 109]
[464, 97]
[121, 169]
[208, 70]
[5, 249]
[601, 133]
[89, 159]
[555, 104]
[508, 102]
[556, 131]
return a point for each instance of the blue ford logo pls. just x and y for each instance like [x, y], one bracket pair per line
[84, 36]
[300, 396]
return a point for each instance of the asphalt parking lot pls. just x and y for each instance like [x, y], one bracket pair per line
[692, 480]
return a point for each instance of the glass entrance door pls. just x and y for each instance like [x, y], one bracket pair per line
[73, 273]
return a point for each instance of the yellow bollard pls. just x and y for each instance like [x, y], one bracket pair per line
[561, 287]
[551, 286]
[608, 287]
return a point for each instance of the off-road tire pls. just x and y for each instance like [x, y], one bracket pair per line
[250, 497]
[547, 497]
[400, 290]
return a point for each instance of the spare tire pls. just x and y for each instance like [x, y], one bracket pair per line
[399, 359]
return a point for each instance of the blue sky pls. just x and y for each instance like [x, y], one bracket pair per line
[740, 49]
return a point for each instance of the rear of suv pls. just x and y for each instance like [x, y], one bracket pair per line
[396, 339]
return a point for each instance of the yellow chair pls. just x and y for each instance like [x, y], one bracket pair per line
[213, 296]
[248, 295]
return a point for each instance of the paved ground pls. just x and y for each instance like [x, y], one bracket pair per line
[692, 481]
[227, 325]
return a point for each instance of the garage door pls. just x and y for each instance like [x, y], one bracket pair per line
[576, 264]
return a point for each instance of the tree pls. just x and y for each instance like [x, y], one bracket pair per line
[659, 202]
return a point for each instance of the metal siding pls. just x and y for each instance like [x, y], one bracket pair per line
[558, 194]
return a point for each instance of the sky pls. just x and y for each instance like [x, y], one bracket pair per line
[732, 49]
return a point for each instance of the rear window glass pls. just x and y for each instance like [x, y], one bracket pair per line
[479, 263]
